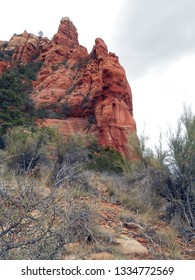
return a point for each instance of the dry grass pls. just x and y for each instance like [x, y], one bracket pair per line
[46, 218]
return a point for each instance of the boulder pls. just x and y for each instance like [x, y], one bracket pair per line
[129, 246]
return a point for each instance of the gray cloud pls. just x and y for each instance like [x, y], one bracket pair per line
[153, 32]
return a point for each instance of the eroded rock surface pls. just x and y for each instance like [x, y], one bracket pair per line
[91, 88]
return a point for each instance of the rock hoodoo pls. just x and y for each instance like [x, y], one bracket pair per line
[89, 93]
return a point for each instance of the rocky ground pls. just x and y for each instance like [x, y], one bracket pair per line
[127, 234]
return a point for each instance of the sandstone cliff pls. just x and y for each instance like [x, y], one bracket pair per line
[92, 88]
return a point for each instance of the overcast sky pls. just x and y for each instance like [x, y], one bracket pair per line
[154, 39]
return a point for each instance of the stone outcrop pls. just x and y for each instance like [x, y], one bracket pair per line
[129, 246]
[3, 66]
[67, 33]
[93, 88]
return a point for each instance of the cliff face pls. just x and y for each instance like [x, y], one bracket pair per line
[92, 89]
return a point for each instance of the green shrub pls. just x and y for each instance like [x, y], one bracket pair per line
[64, 110]
[26, 149]
[54, 111]
[181, 165]
[15, 86]
[46, 113]
[29, 70]
[105, 159]
[91, 120]
[177, 164]
[16, 106]
[2, 55]
[2, 143]
[6, 55]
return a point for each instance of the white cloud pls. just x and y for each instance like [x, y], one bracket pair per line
[154, 32]
[92, 18]
[159, 97]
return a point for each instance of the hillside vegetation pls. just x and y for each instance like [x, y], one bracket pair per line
[15, 87]
[75, 199]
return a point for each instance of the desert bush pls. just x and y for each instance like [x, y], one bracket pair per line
[37, 222]
[146, 156]
[80, 220]
[27, 222]
[26, 149]
[47, 113]
[177, 164]
[64, 110]
[71, 157]
[181, 165]
[54, 111]
[137, 190]
[105, 159]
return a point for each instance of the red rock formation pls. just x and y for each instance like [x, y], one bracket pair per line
[66, 127]
[25, 47]
[3, 66]
[67, 33]
[92, 86]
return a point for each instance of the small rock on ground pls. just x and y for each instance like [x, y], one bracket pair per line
[129, 246]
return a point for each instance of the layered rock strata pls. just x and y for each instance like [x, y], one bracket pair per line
[91, 87]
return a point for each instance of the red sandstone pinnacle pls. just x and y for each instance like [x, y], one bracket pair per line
[67, 33]
[93, 86]
[100, 49]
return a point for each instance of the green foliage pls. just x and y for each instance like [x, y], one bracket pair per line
[91, 120]
[15, 85]
[177, 164]
[105, 159]
[43, 113]
[40, 34]
[64, 63]
[64, 110]
[147, 156]
[54, 111]
[16, 106]
[2, 55]
[181, 164]
[9, 80]
[29, 70]
[85, 102]
[81, 63]
[6, 55]
[2, 143]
